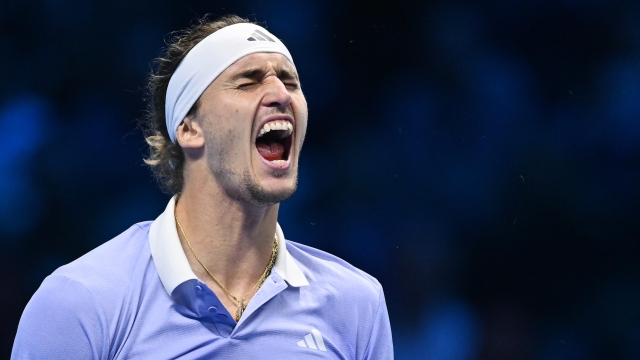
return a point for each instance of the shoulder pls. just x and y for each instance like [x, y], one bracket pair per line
[108, 275]
[112, 262]
[348, 298]
[324, 269]
[78, 303]
[65, 311]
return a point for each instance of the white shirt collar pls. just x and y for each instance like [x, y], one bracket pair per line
[173, 266]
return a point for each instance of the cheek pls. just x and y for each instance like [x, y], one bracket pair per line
[302, 116]
[224, 139]
[302, 133]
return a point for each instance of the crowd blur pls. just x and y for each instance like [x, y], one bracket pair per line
[480, 159]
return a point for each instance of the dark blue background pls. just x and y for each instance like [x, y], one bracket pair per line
[481, 159]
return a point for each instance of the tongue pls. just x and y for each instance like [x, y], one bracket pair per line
[272, 150]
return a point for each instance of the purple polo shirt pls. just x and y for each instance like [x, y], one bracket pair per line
[136, 297]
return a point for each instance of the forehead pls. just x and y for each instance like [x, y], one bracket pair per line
[260, 61]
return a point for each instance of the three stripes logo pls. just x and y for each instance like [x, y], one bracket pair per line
[308, 342]
[258, 35]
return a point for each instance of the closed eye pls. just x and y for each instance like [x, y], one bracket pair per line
[246, 85]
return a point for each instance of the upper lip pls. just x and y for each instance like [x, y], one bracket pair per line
[273, 117]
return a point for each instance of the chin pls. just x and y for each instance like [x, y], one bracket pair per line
[270, 194]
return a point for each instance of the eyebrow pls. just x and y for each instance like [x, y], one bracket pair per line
[284, 74]
[258, 73]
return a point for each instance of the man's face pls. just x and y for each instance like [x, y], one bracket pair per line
[254, 118]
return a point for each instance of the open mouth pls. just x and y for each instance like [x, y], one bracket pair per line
[274, 141]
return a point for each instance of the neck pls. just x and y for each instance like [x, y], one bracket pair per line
[233, 240]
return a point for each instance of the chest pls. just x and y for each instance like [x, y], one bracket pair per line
[287, 326]
[297, 337]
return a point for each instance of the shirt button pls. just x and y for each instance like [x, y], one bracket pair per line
[222, 316]
[213, 309]
[198, 289]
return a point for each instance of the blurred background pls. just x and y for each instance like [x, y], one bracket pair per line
[480, 159]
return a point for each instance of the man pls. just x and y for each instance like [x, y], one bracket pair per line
[213, 276]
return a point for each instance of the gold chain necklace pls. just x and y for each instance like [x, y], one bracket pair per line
[241, 302]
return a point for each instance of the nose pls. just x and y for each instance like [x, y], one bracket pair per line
[277, 94]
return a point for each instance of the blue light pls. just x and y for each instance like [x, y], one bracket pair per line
[24, 122]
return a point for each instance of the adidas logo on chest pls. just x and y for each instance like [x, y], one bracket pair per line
[313, 340]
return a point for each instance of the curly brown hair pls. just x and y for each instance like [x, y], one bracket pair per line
[166, 159]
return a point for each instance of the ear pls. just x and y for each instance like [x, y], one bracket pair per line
[189, 134]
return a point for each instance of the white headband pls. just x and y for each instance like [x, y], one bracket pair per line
[208, 59]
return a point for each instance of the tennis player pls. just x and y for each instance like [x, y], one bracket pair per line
[213, 276]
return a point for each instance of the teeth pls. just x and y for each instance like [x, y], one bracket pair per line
[277, 125]
[279, 162]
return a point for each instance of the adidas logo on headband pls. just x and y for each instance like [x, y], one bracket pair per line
[258, 35]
